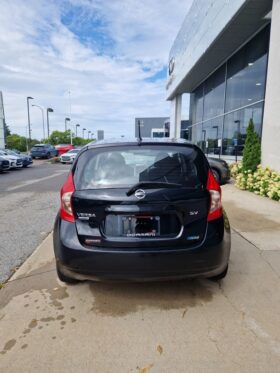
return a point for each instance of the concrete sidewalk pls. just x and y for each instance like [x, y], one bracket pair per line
[185, 326]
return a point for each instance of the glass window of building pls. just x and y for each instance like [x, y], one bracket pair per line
[246, 73]
[196, 105]
[195, 133]
[212, 135]
[235, 127]
[214, 94]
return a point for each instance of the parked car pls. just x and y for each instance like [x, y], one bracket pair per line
[220, 170]
[141, 210]
[64, 148]
[70, 156]
[4, 164]
[43, 151]
[26, 159]
[15, 161]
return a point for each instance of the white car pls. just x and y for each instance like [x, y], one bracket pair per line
[70, 156]
[15, 161]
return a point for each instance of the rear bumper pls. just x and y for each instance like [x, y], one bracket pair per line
[76, 261]
[38, 155]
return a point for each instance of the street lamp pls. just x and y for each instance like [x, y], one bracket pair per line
[77, 125]
[217, 129]
[66, 120]
[238, 127]
[43, 119]
[88, 134]
[49, 110]
[84, 129]
[28, 114]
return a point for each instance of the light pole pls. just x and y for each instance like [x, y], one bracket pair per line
[43, 119]
[28, 114]
[49, 110]
[66, 120]
[89, 132]
[77, 125]
[84, 129]
[217, 129]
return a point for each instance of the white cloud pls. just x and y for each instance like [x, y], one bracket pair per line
[42, 58]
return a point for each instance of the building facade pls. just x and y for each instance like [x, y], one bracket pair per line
[152, 127]
[159, 127]
[100, 134]
[227, 57]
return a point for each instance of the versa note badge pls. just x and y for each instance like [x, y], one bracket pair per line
[140, 194]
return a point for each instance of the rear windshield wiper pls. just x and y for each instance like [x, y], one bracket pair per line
[152, 185]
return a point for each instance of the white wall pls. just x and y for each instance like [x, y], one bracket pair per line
[271, 121]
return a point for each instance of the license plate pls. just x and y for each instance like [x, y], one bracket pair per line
[140, 226]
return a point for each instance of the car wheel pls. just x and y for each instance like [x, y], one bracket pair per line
[64, 278]
[220, 276]
[216, 175]
[48, 156]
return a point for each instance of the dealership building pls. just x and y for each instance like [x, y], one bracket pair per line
[227, 57]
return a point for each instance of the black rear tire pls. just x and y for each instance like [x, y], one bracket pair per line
[63, 278]
[220, 276]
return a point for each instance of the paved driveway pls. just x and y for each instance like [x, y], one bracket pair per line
[187, 326]
[29, 200]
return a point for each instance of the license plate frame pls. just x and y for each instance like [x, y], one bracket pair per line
[140, 226]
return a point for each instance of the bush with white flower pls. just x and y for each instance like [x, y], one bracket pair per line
[264, 181]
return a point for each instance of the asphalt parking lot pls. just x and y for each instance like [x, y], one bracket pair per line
[29, 200]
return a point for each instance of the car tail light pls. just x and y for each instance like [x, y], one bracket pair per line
[214, 189]
[66, 212]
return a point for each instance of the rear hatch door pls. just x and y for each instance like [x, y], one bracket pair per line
[170, 206]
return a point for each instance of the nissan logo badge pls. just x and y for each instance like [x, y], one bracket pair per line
[140, 194]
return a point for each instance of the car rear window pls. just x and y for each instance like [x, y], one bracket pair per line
[124, 166]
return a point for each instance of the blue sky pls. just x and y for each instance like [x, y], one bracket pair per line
[111, 55]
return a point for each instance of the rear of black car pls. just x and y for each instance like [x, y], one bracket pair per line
[145, 211]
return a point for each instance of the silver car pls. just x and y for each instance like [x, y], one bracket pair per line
[15, 161]
[70, 156]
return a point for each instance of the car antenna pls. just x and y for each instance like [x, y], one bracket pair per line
[139, 132]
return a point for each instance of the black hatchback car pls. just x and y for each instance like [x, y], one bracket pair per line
[141, 210]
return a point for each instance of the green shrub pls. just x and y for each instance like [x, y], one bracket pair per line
[252, 149]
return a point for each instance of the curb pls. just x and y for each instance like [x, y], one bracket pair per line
[33, 258]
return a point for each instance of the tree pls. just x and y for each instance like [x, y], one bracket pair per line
[59, 137]
[7, 129]
[64, 137]
[79, 141]
[252, 149]
[15, 141]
